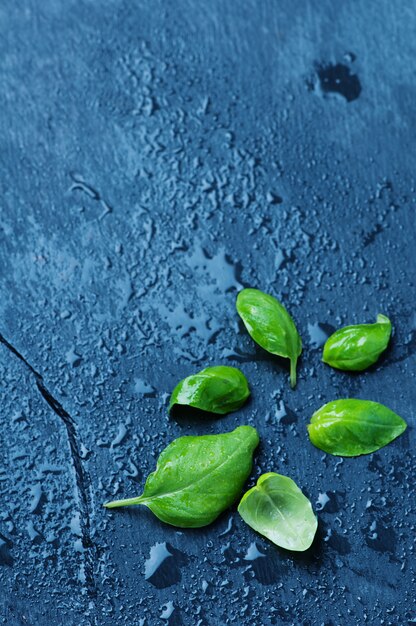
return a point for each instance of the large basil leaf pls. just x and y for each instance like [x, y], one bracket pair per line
[352, 427]
[270, 325]
[357, 347]
[277, 509]
[196, 478]
[220, 389]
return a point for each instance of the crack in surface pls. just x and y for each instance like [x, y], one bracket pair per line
[81, 478]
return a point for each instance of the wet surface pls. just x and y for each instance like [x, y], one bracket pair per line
[156, 159]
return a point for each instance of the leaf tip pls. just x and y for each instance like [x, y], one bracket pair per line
[403, 426]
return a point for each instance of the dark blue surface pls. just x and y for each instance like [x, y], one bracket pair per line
[155, 158]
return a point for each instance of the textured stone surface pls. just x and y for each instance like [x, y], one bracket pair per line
[155, 158]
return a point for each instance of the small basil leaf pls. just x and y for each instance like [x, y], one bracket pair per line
[357, 347]
[198, 477]
[352, 427]
[277, 509]
[219, 389]
[270, 325]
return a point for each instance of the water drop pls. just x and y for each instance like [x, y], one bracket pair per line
[162, 568]
[167, 610]
[284, 415]
[253, 553]
[323, 499]
[227, 530]
[38, 499]
[121, 435]
[5, 547]
[34, 535]
[143, 388]
[73, 358]
[337, 80]
[319, 333]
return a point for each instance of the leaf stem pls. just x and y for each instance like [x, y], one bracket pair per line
[293, 373]
[127, 502]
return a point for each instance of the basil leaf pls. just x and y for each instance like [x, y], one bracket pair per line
[352, 427]
[277, 509]
[198, 477]
[357, 347]
[270, 325]
[219, 389]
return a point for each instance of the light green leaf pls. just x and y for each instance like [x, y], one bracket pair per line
[198, 477]
[355, 348]
[277, 509]
[270, 325]
[352, 427]
[220, 389]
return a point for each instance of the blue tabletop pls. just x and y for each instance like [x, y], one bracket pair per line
[157, 157]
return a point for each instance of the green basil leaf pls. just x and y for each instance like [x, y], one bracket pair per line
[219, 389]
[277, 509]
[270, 325]
[198, 477]
[357, 347]
[352, 427]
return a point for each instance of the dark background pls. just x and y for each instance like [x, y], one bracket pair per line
[155, 157]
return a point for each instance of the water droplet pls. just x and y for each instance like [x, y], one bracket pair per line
[273, 198]
[266, 566]
[34, 535]
[323, 499]
[167, 610]
[75, 525]
[73, 358]
[337, 542]
[319, 333]
[337, 80]
[380, 536]
[253, 553]
[284, 415]
[162, 568]
[227, 530]
[38, 499]
[121, 435]
[143, 388]
[349, 57]
[5, 547]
